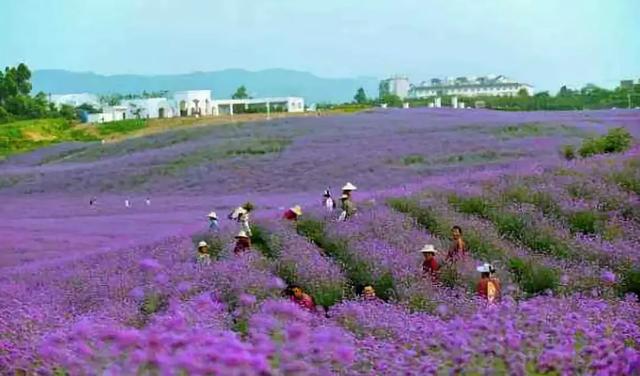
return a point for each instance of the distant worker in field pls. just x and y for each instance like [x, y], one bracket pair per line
[127, 203]
[213, 221]
[241, 215]
[369, 293]
[93, 201]
[430, 266]
[302, 299]
[148, 201]
[348, 189]
[293, 213]
[348, 208]
[458, 249]
[488, 287]
[327, 201]
[204, 258]
[243, 243]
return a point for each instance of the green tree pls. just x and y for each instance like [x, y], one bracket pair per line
[523, 93]
[241, 93]
[360, 97]
[68, 112]
[391, 100]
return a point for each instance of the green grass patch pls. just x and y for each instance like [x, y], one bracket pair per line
[413, 159]
[523, 130]
[616, 140]
[259, 147]
[121, 126]
[27, 135]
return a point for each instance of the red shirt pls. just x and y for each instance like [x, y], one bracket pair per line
[431, 267]
[242, 244]
[290, 215]
[306, 302]
[483, 287]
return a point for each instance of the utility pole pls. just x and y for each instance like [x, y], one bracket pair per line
[268, 111]
[629, 99]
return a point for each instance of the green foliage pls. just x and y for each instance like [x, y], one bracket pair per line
[260, 147]
[585, 222]
[358, 271]
[533, 279]
[67, 112]
[262, 240]
[569, 152]
[154, 302]
[616, 140]
[360, 97]
[535, 130]
[121, 126]
[413, 159]
[391, 100]
[630, 281]
[241, 93]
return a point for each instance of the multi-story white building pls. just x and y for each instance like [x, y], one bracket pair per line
[469, 87]
[397, 85]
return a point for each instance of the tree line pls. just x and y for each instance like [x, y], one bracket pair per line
[590, 97]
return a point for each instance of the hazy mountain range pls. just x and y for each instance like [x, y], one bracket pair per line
[270, 82]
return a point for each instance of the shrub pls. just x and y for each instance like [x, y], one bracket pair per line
[615, 141]
[216, 244]
[630, 281]
[533, 279]
[569, 152]
[586, 222]
[413, 159]
[471, 205]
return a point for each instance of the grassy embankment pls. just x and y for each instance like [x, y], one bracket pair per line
[27, 135]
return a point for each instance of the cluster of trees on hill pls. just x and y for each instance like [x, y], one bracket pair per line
[16, 102]
[587, 98]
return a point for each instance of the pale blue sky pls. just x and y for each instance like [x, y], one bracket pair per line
[544, 42]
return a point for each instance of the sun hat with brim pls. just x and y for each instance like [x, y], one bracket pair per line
[349, 187]
[212, 215]
[297, 210]
[242, 234]
[429, 248]
[202, 244]
[486, 268]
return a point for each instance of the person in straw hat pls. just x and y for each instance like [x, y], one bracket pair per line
[348, 188]
[348, 208]
[204, 258]
[213, 221]
[241, 215]
[243, 242]
[327, 201]
[293, 213]
[488, 287]
[430, 265]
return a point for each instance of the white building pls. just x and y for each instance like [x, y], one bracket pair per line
[397, 85]
[74, 100]
[469, 87]
[193, 102]
[189, 103]
[150, 108]
[225, 106]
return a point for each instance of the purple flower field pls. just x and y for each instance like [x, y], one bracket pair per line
[114, 290]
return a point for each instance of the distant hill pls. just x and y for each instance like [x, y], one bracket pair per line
[270, 82]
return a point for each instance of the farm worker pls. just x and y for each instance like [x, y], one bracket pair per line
[327, 200]
[301, 298]
[241, 215]
[92, 201]
[430, 265]
[293, 213]
[127, 204]
[488, 287]
[369, 293]
[148, 201]
[213, 221]
[458, 249]
[243, 243]
[348, 188]
[203, 253]
[348, 208]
